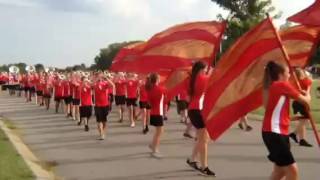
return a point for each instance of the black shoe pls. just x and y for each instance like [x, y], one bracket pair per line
[240, 126]
[165, 118]
[194, 165]
[120, 120]
[207, 172]
[145, 130]
[86, 128]
[187, 135]
[304, 143]
[248, 128]
[79, 123]
[293, 136]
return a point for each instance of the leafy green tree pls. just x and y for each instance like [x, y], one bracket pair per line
[39, 67]
[243, 15]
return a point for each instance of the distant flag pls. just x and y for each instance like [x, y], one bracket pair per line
[309, 16]
[300, 42]
[235, 86]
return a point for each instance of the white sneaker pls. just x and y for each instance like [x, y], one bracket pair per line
[133, 125]
[156, 155]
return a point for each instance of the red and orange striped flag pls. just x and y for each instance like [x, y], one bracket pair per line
[309, 16]
[300, 42]
[126, 57]
[235, 86]
[178, 46]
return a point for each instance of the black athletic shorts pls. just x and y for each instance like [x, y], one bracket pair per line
[68, 100]
[58, 99]
[120, 100]
[39, 93]
[111, 98]
[47, 96]
[278, 146]
[26, 89]
[2, 82]
[85, 111]
[131, 101]
[196, 119]
[144, 105]
[32, 90]
[76, 102]
[182, 105]
[299, 108]
[156, 120]
[101, 113]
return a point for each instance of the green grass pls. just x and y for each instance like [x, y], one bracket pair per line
[12, 166]
[315, 103]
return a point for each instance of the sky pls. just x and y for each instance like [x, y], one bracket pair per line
[63, 33]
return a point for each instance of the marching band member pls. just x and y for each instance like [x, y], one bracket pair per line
[132, 90]
[120, 97]
[101, 94]
[67, 96]
[85, 102]
[58, 92]
[275, 130]
[197, 87]
[156, 96]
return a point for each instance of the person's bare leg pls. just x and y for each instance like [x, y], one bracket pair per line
[291, 172]
[203, 148]
[156, 139]
[277, 173]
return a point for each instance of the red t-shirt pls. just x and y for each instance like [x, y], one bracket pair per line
[120, 87]
[276, 118]
[132, 88]
[196, 101]
[156, 99]
[183, 95]
[58, 88]
[305, 83]
[66, 88]
[101, 94]
[76, 90]
[85, 95]
[143, 93]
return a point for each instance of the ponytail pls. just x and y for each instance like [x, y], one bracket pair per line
[196, 68]
[271, 74]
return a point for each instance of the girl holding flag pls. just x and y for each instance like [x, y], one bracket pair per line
[275, 131]
[197, 87]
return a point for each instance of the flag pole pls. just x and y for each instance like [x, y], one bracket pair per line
[312, 122]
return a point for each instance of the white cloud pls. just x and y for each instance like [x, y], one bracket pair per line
[19, 3]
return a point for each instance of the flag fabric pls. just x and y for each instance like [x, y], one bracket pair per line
[179, 46]
[235, 86]
[125, 58]
[300, 42]
[309, 16]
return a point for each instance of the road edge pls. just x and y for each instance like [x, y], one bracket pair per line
[31, 160]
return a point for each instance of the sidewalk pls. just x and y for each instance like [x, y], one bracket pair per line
[75, 154]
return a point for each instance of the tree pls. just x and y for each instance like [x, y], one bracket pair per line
[104, 60]
[39, 67]
[244, 14]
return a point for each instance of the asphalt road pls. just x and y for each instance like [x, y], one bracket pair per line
[124, 154]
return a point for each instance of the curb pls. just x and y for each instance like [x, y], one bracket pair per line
[31, 160]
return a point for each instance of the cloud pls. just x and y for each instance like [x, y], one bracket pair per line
[19, 3]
